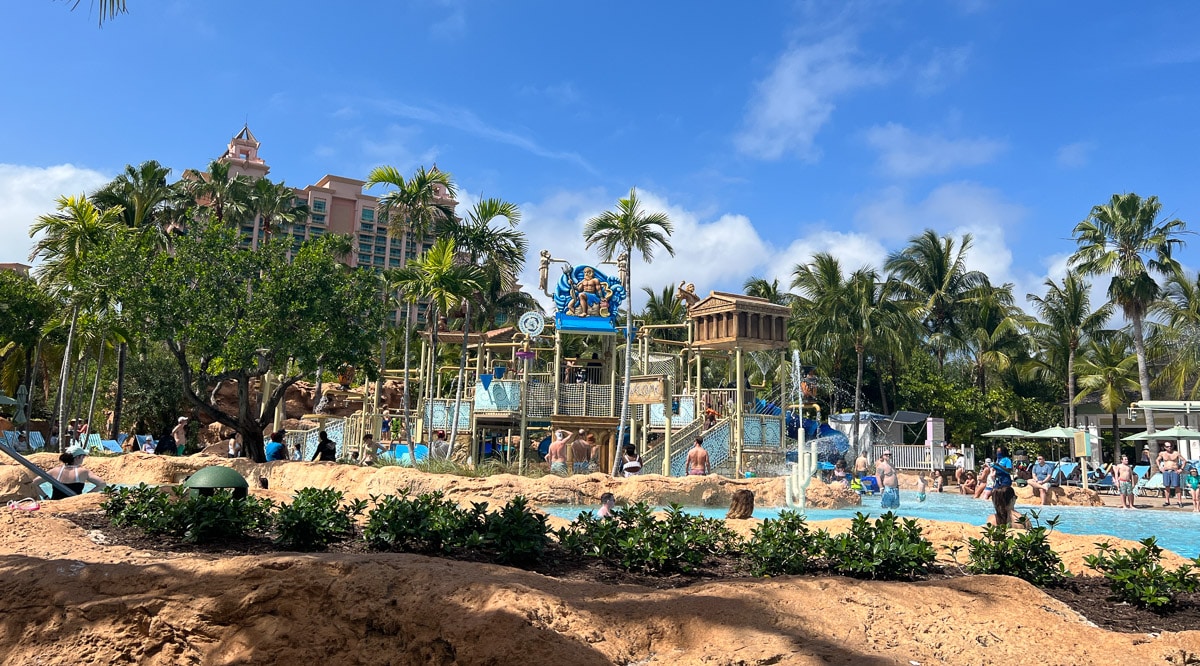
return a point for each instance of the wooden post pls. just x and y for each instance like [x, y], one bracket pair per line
[557, 369]
[740, 398]
[667, 436]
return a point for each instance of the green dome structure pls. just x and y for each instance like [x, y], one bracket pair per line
[206, 480]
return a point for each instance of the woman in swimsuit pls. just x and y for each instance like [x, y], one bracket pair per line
[1004, 501]
[72, 474]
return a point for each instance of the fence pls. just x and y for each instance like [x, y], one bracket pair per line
[763, 432]
[919, 456]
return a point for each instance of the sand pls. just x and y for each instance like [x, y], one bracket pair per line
[66, 599]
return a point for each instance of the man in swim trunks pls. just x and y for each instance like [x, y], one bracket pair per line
[1169, 464]
[557, 455]
[1040, 481]
[860, 466]
[697, 459]
[889, 481]
[1123, 475]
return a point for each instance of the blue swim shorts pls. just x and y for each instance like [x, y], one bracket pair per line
[890, 498]
[1171, 479]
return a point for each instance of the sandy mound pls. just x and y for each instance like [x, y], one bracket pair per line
[66, 596]
[65, 599]
[362, 482]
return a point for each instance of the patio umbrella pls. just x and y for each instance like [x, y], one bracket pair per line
[1008, 432]
[19, 418]
[1177, 432]
[6, 401]
[1141, 436]
[1057, 432]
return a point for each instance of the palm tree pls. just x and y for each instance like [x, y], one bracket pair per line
[1180, 338]
[415, 204]
[224, 196]
[816, 314]
[440, 278]
[760, 288]
[108, 8]
[1125, 239]
[498, 253]
[936, 285]
[1066, 312]
[664, 308]
[1110, 371]
[144, 197]
[991, 332]
[859, 310]
[626, 229]
[68, 239]
[275, 204]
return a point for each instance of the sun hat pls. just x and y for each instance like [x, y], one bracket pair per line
[988, 461]
[886, 452]
[76, 450]
[182, 419]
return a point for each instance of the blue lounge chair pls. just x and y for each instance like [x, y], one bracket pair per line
[870, 485]
[1106, 484]
[1152, 485]
[110, 445]
[1066, 474]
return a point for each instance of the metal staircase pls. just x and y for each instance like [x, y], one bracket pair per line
[720, 436]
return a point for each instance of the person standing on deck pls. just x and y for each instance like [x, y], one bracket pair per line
[697, 459]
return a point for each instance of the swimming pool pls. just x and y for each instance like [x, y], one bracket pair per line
[1178, 531]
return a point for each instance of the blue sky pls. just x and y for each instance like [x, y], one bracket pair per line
[767, 130]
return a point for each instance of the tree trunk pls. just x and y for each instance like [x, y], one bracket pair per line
[616, 469]
[462, 371]
[883, 405]
[1139, 346]
[122, 352]
[32, 382]
[1116, 440]
[95, 386]
[858, 349]
[1071, 392]
[62, 382]
[412, 449]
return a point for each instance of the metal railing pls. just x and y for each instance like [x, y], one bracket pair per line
[920, 456]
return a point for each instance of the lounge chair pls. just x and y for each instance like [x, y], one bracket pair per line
[1152, 485]
[870, 485]
[111, 445]
[1105, 485]
[1066, 474]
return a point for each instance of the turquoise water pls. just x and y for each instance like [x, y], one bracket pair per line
[1178, 531]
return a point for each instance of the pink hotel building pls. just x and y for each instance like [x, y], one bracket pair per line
[337, 205]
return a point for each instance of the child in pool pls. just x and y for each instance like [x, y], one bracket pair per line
[936, 481]
[1193, 483]
[921, 485]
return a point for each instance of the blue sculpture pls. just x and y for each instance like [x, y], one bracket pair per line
[587, 300]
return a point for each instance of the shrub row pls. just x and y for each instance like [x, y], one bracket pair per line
[1137, 576]
[318, 517]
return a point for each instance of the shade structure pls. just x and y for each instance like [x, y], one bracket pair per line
[7, 401]
[1175, 432]
[1058, 432]
[1008, 432]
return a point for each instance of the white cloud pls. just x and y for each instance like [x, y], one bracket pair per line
[1075, 155]
[906, 154]
[853, 249]
[798, 97]
[29, 191]
[956, 209]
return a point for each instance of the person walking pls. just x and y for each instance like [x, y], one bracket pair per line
[889, 481]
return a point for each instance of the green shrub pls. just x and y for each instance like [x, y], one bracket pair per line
[198, 519]
[783, 546]
[516, 534]
[1025, 554]
[208, 518]
[429, 523]
[635, 540]
[315, 519]
[886, 549]
[1137, 576]
[147, 508]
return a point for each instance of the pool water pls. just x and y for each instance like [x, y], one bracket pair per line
[1178, 531]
